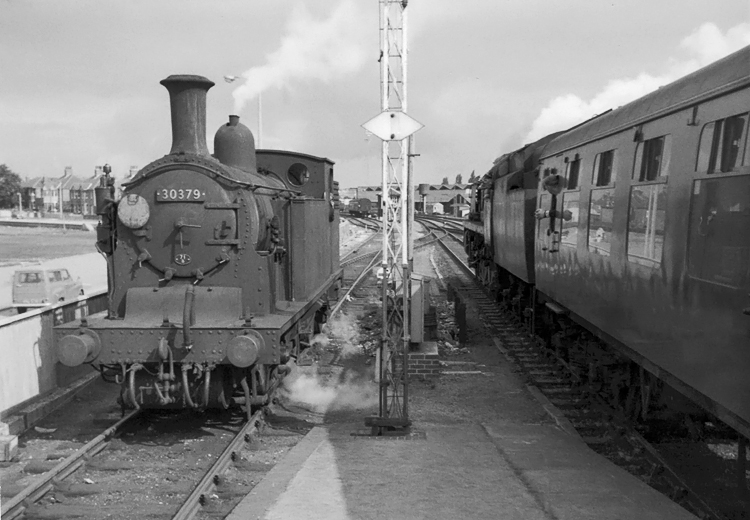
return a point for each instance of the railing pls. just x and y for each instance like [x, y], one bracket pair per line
[28, 364]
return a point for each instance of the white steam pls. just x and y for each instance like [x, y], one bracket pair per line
[706, 44]
[346, 329]
[312, 391]
[323, 50]
[325, 388]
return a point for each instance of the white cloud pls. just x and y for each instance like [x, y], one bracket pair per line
[706, 45]
[323, 50]
[709, 45]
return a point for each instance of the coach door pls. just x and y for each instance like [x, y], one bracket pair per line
[720, 231]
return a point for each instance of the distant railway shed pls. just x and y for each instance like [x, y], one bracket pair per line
[451, 199]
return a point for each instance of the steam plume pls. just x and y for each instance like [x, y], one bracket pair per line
[323, 50]
[707, 44]
[315, 393]
[346, 329]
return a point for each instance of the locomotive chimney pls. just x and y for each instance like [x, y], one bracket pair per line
[187, 99]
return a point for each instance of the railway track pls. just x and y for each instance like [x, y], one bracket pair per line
[577, 410]
[16, 506]
[199, 497]
[213, 492]
[106, 470]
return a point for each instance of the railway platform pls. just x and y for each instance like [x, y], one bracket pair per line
[503, 469]
[520, 461]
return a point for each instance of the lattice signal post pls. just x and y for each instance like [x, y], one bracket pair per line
[395, 128]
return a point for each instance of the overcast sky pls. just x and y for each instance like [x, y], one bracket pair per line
[79, 80]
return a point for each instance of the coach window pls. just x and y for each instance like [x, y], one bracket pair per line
[574, 168]
[570, 199]
[603, 166]
[602, 205]
[648, 205]
[545, 203]
[652, 159]
[601, 211]
[719, 244]
[569, 221]
[648, 201]
[722, 143]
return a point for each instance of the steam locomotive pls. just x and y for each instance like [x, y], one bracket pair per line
[361, 208]
[624, 244]
[219, 267]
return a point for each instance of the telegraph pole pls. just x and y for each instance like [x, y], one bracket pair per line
[395, 128]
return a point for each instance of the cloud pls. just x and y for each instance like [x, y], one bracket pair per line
[706, 44]
[323, 50]
[709, 45]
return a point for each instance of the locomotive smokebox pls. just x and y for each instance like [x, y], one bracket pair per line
[187, 98]
[234, 145]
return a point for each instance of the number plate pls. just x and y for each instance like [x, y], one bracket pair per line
[180, 195]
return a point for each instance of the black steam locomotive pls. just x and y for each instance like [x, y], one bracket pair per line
[361, 208]
[632, 230]
[220, 267]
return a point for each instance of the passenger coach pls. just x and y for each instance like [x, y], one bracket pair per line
[642, 234]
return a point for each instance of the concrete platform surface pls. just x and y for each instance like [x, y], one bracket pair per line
[466, 471]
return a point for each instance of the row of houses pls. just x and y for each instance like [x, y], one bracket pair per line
[67, 194]
[449, 199]
[75, 194]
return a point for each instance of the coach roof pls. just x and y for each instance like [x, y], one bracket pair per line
[721, 77]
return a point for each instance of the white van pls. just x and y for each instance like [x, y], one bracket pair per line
[37, 287]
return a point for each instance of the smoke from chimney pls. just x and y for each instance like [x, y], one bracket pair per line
[324, 50]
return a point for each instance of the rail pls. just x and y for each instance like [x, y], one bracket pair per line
[42, 484]
[197, 498]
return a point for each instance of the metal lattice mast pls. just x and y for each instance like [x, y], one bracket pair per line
[395, 182]
[395, 128]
